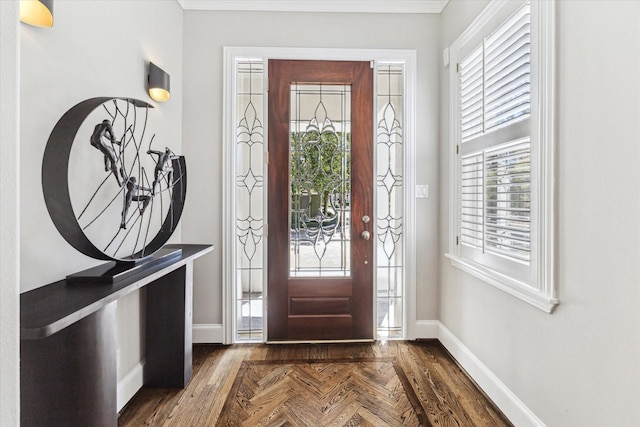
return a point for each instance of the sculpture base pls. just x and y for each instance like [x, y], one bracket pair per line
[114, 271]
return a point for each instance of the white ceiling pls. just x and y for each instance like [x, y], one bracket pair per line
[366, 6]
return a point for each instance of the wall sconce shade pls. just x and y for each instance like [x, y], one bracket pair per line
[159, 83]
[38, 13]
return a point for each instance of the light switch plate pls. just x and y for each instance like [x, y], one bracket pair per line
[422, 191]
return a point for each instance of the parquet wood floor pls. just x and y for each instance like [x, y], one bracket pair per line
[373, 384]
[327, 392]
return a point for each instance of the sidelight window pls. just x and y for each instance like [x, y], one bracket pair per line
[390, 171]
[249, 199]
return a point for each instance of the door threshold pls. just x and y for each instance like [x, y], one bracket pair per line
[320, 341]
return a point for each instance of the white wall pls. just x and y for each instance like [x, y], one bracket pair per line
[9, 214]
[580, 365]
[206, 33]
[96, 48]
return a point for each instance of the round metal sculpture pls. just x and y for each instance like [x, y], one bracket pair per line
[109, 194]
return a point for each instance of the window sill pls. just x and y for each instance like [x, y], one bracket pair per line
[507, 284]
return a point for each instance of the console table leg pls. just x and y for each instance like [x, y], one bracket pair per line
[168, 330]
[69, 378]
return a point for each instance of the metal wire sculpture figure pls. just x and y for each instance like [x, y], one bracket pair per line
[101, 131]
[131, 196]
[164, 167]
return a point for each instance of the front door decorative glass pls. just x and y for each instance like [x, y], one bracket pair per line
[320, 168]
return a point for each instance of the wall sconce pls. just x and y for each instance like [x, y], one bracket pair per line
[158, 83]
[38, 13]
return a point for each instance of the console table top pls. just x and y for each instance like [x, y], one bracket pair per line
[51, 308]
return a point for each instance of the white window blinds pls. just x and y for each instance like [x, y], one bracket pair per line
[472, 95]
[495, 201]
[472, 203]
[507, 207]
[495, 81]
[495, 167]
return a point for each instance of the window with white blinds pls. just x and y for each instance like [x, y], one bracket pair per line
[502, 142]
[495, 167]
[495, 201]
[495, 78]
[507, 74]
[507, 208]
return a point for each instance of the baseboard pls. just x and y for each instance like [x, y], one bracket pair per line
[426, 329]
[130, 384]
[207, 333]
[517, 412]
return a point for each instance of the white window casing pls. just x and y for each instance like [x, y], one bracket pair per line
[501, 159]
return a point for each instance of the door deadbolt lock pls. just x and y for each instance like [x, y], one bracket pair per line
[366, 219]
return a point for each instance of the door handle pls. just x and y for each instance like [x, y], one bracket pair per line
[366, 235]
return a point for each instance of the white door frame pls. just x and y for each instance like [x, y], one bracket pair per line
[377, 56]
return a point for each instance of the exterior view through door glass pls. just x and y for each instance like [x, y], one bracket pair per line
[320, 266]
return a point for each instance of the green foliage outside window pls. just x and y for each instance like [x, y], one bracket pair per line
[320, 176]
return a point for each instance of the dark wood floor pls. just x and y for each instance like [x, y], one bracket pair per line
[430, 388]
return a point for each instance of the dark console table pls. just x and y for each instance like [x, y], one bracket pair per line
[68, 371]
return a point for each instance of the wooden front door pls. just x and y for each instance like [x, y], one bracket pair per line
[320, 268]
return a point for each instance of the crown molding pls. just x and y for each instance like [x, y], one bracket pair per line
[342, 6]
